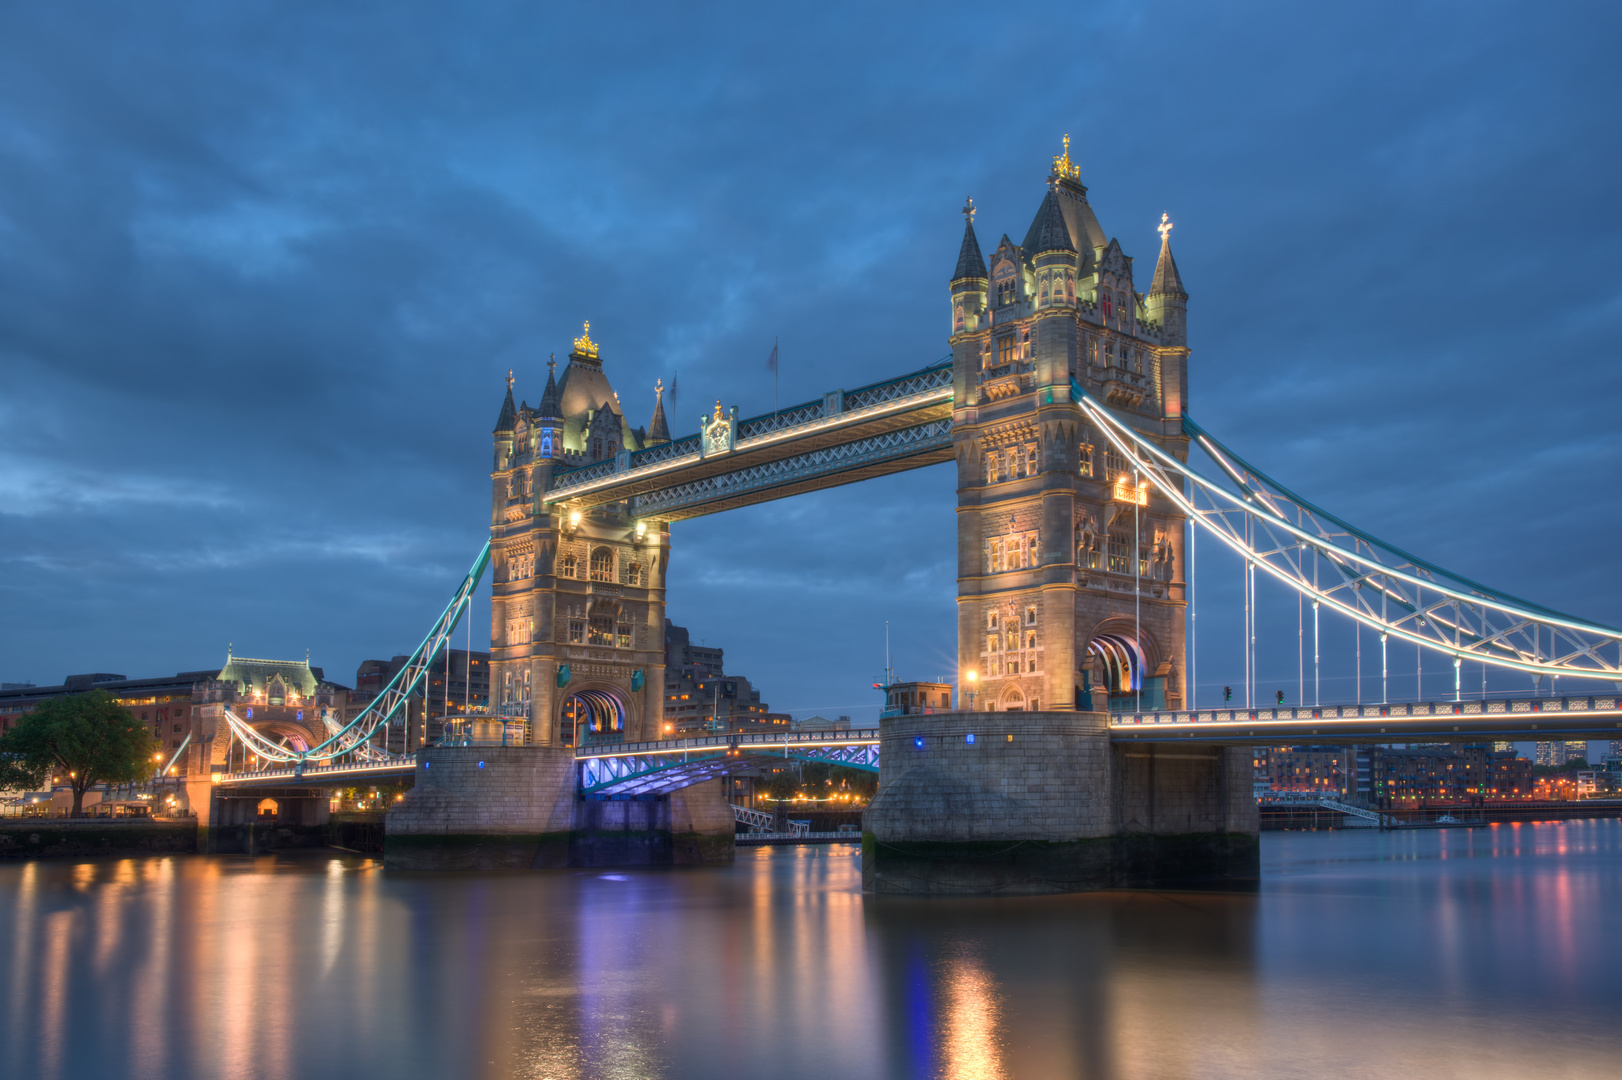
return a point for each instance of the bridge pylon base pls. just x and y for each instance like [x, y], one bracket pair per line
[518, 808]
[1034, 802]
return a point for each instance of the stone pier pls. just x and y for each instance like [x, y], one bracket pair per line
[1042, 802]
[517, 808]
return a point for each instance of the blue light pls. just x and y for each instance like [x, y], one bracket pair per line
[918, 741]
[969, 738]
[428, 764]
[481, 764]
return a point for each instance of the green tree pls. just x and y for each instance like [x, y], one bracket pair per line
[88, 736]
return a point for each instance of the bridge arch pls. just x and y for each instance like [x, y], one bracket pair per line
[1121, 657]
[596, 713]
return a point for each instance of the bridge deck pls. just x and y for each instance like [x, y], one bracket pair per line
[1433, 721]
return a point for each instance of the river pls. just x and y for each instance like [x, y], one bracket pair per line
[1489, 952]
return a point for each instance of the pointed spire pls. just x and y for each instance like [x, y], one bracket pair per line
[1167, 281]
[1048, 230]
[509, 412]
[970, 263]
[658, 428]
[549, 397]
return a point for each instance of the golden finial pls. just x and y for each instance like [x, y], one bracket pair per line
[718, 416]
[969, 209]
[1063, 168]
[658, 390]
[1164, 228]
[583, 345]
[509, 380]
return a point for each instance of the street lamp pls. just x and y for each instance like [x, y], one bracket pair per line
[971, 677]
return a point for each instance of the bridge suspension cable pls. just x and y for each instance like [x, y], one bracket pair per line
[352, 737]
[1337, 565]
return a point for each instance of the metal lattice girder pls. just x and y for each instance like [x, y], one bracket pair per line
[1353, 572]
[732, 488]
[860, 419]
[659, 767]
[351, 737]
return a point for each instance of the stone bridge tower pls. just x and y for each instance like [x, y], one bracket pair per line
[1070, 575]
[578, 605]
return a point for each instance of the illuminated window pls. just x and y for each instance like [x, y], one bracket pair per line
[991, 643]
[1119, 553]
[633, 574]
[1114, 464]
[568, 567]
[1030, 615]
[623, 635]
[600, 630]
[1030, 460]
[577, 632]
[991, 620]
[1085, 467]
[1030, 551]
[957, 318]
[602, 565]
[996, 566]
[1005, 351]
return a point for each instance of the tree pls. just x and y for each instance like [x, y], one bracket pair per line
[88, 736]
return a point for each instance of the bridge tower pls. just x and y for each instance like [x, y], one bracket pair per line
[578, 605]
[1070, 572]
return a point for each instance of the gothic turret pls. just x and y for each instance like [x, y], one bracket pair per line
[1167, 302]
[509, 411]
[658, 428]
[969, 280]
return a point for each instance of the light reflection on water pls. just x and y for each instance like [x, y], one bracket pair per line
[1488, 953]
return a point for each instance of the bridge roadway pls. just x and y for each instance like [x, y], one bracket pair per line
[667, 765]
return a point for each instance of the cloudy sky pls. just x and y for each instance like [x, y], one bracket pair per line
[264, 266]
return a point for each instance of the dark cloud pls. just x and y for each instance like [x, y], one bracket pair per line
[263, 267]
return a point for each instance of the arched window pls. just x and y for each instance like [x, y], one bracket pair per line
[568, 567]
[546, 445]
[996, 566]
[602, 565]
[957, 318]
[1030, 552]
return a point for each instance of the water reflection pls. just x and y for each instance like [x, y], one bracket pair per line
[1486, 952]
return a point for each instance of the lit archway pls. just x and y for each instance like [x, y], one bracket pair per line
[1012, 699]
[593, 717]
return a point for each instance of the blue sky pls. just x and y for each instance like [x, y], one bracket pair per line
[263, 268]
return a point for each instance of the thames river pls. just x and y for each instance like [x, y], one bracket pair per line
[1492, 952]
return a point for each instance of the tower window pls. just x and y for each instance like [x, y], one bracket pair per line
[1030, 615]
[633, 574]
[1119, 553]
[1085, 466]
[1006, 351]
[602, 565]
[577, 632]
[568, 567]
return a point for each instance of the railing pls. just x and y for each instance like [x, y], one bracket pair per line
[315, 772]
[838, 737]
[1395, 710]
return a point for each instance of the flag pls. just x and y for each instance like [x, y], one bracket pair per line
[672, 390]
[771, 361]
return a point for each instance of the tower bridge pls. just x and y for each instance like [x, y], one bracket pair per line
[1081, 504]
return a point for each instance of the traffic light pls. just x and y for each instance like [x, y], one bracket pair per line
[1227, 694]
[1278, 696]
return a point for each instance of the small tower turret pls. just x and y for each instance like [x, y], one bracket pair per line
[969, 280]
[658, 427]
[1167, 303]
[549, 415]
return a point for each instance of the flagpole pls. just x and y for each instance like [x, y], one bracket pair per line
[777, 364]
